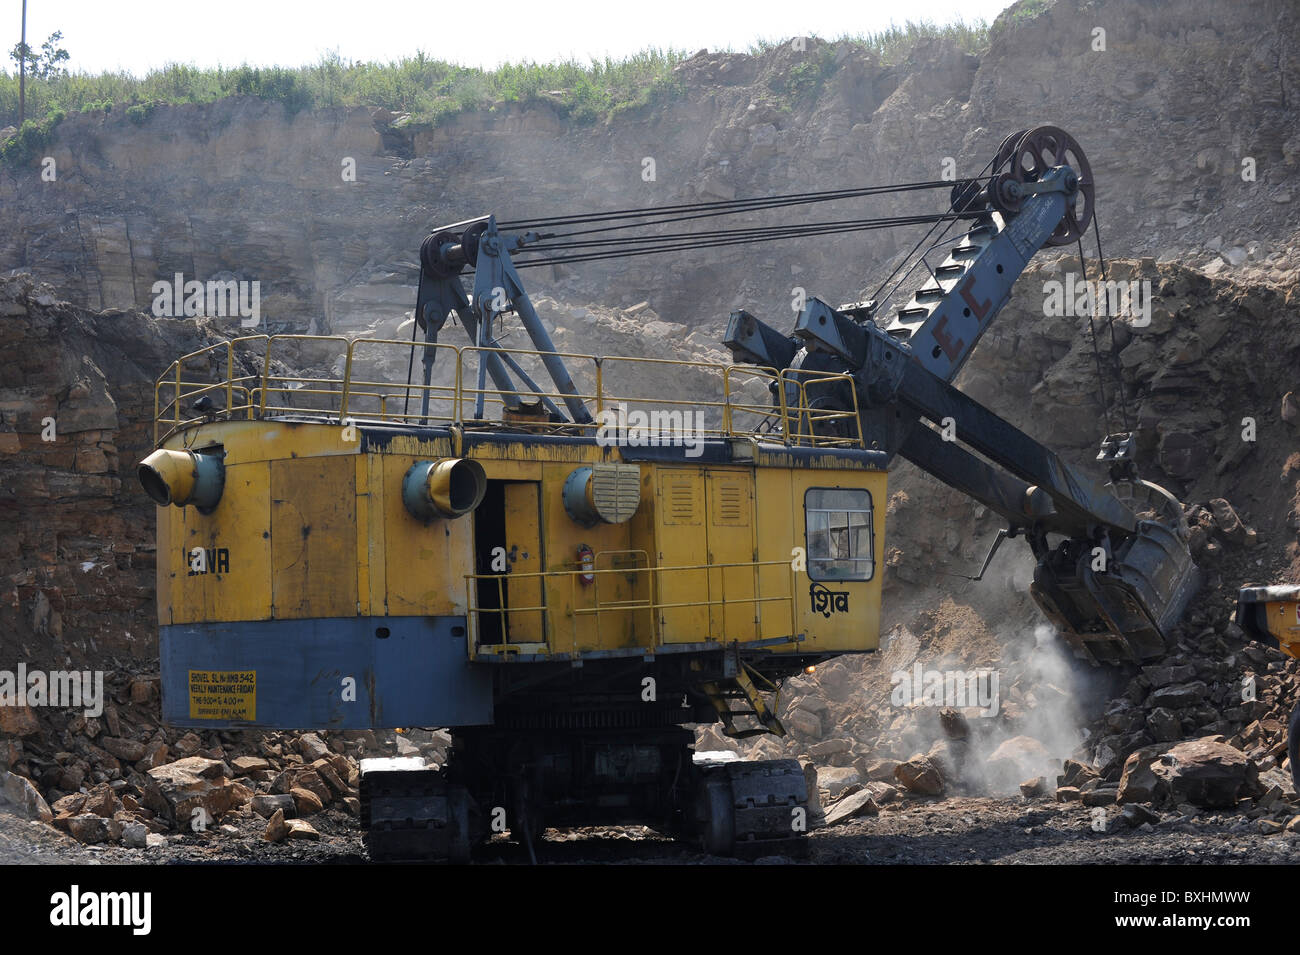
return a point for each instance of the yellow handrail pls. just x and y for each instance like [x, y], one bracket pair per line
[651, 603]
[784, 412]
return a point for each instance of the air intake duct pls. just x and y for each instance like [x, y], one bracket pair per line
[183, 477]
[448, 487]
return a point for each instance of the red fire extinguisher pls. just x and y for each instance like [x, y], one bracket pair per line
[588, 562]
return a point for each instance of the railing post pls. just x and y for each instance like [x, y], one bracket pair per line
[573, 608]
[347, 382]
[458, 398]
[266, 376]
[785, 406]
[726, 401]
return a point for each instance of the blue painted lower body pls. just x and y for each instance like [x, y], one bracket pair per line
[334, 673]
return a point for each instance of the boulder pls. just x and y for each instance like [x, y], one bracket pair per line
[243, 765]
[1227, 522]
[1033, 787]
[1075, 773]
[1098, 797]
[276, 828]
[1205, 772]
[102, 801]
[1017, 758]
[178, 790]
[882, 769]
[859, 803]
[304, 778]
[125, 749]
[188, 745]
[803, 724]
[135, 835]
[919, 775]
[829, 748]
[954, 723]
[18, 721]
[301, 829]
[26, 798]
[1164, 724]
[1177, 696]
[312, 747]
[89, 828]
[836, 779]
[1137, 782]
[1135, 814]
[267, 805]
[305, 801]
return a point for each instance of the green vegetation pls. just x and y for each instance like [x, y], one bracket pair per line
[1021, 12]
[31, 139]
[46, 64]
[804, 80]
[893, 45]
[430, 90]
[139, 112]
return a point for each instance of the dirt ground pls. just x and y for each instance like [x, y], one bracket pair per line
[946, 831]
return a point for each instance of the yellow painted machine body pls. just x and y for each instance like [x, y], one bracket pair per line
[1271, 615]
[312, 594]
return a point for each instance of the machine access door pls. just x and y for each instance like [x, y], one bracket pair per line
[733, 576]
[705, 581]
[508, 551]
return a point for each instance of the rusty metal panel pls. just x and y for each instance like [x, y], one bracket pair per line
[732, 611]
[682, 541]
[313, 537]
[523, 546]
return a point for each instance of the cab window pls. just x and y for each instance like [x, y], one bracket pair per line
[839, 534]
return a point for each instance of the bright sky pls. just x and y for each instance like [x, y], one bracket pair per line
[141, 34]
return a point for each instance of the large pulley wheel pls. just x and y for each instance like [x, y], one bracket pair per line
[431, 256]
[434, 260]
[1041, 149]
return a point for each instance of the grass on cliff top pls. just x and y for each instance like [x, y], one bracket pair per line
[429, 90]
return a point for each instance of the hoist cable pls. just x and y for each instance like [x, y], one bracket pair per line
[1096, 352]
[1110, 323]
[718, 207]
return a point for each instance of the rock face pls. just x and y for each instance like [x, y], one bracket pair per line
[76, 414]
[259, 203]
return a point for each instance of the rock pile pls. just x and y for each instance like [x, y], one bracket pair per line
[123, 778]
